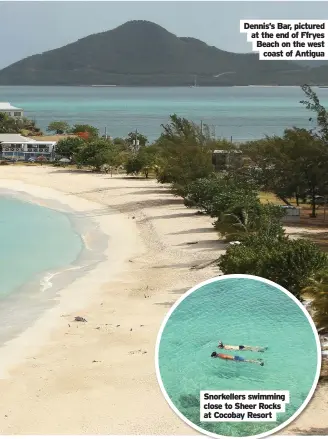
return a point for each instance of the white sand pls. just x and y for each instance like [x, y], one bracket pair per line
[54, 386]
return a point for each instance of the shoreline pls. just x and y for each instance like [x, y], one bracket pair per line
[160, 86]
[43, 315]
[99, 376]
[41, 292]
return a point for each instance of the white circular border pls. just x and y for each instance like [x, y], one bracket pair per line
[268, 282]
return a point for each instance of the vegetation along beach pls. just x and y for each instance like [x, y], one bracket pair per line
[154, 217]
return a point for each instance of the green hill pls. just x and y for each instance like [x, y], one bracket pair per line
[144, 53]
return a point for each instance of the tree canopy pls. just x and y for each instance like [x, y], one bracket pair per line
[85, 128]
[59, 127]
[24, 126]
[288, 262]
[69, 147]
[293, 165]
[97, 153]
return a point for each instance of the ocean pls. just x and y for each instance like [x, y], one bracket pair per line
[237, 113]
[35, 241]
[237, 312]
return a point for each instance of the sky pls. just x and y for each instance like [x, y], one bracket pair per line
[28, 28]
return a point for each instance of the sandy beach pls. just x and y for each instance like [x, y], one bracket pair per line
[98, 377]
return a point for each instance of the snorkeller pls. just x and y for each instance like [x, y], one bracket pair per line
[241, 347]
[236, 358]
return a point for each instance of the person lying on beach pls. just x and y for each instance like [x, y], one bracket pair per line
[236, 358]
[240, 347]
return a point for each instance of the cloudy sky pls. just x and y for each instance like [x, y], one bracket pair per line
[28, 27]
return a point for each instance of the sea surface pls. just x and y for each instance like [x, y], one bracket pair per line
[237, 113]
[236, 311]
[34, 240]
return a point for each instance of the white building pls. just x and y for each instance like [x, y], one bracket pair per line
[7, 108]
[17, 147]
[292, 213]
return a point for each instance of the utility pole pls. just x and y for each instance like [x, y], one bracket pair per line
[135, 143]
[201, 132]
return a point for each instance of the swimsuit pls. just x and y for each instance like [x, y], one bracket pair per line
[238, 358]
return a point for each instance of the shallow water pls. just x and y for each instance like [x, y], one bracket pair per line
[245, 312]
[34, 239]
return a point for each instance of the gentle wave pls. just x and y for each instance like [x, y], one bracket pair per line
[45, 282]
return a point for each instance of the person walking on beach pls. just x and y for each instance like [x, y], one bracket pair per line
[236, 358]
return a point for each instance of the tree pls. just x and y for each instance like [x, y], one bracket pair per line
[120, 142]
[288, 262]
[84, 128]
[133, 136]
[133, 165]
[185, 154]
[201, 192]
[234, 202]
[28, 127]
[69, 147]
[218, 193]
[8, 124]
[313, 104]
[181, 130]
[148, 156]
[317, 293]
[292, 165]
[142, 161]
[59, 127]
[23, 126]
[97, 153]
[248, 216]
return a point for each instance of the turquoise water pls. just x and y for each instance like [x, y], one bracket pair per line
[34, 239]
[245, 312]
[242, 113]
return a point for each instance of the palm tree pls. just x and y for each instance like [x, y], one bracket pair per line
[317, 294]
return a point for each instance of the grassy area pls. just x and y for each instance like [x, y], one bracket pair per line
[306, 222]
[268, 197]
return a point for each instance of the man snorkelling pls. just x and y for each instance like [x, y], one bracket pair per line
[236, 358]
[227, 347]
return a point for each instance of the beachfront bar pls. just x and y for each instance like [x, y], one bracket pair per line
[19, 148]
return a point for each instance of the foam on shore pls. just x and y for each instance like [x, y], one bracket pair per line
[30, 313]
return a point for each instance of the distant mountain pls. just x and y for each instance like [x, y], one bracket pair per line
[144, 53]
[312, 63]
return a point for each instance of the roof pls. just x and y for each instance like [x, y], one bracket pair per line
[8, 106]
[14, 138]
[226, 151]
[17, 138]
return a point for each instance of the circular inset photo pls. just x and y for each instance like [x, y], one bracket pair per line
[238, 356]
